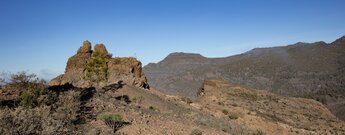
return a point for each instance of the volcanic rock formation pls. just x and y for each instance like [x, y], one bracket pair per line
[96, 68]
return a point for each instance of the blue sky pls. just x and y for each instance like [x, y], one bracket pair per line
[39, 35]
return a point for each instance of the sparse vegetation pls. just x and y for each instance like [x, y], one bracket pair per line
[272, 117]
[109, 116]
[112, 120]
[138, 99]
[258, 132]
[58, 118]
[196, 131]
[224, 111]
[187, 100]
[152, 108]
[31, 96]
[233, 115]
[68, 106]
[29, 88]
[96, 69]
[205, 121]
[245, 95]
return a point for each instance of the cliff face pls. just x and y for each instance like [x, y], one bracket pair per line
[96, 68]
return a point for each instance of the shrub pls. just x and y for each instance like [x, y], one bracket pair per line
[31, 96]
[205, 121]
[196, 132]
[187, 100]
[28, 87]
[259, 132]
[226, 112]
[152, 108]
[22, 79]
[233, 115]
[138, 99]
[109, 116]
[32, 121]
[96, 69]
[68, 106]
[112, 120]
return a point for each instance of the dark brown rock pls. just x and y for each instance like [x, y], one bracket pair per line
[100, 48]
[86, 48]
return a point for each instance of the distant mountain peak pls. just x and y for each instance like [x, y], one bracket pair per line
[182, 58]
[339, 41]
[183, 54]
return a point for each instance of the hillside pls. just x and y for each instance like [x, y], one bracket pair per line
[222, 109]
[310, 70]
[268, 112]
[89, 99]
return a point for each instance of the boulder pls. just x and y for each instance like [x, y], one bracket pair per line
[85, 70]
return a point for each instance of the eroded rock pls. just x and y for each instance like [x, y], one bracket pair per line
[95, 68]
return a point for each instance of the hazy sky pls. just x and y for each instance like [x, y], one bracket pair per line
[39, 35]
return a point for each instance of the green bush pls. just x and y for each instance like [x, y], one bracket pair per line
[96, 68]
[30, 97]
[138, 99]
[152, 108]
[28, 87]
[226, 112]
[259, 132]
[187, 100]
[112, 120]
[34, 121]
[233, 116]
[196, 132]
[109, 116]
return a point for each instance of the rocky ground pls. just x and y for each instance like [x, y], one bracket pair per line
[266, 111]
[221, 109]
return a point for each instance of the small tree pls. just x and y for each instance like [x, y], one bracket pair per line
[112, 120]
[28, 87]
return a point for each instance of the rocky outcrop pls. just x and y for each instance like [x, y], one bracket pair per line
[95, 68]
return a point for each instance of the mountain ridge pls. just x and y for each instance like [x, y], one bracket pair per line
[303, 69]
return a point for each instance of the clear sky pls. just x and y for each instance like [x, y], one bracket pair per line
[39, 35]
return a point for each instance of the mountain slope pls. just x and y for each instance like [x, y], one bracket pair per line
[311, 70]
[265, 111]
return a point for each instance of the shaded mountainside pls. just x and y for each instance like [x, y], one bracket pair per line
[311, 70]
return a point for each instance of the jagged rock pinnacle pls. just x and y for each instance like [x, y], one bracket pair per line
[100, 48]
[86, 48]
